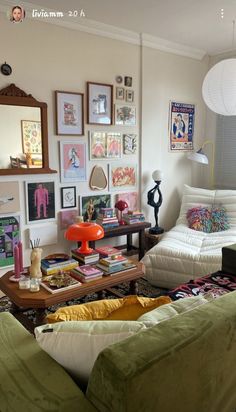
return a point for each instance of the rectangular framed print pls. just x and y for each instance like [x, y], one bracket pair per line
[125, 115]
[31, 137]
[181, 126]
[99, 103]
[90, 205]
[40, 201]
[73, 161]
[122, 176]
[9, 238]
[69, 113]
[68, 197]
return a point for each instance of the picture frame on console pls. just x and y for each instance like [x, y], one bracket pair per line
[69, 113]
[99, 103]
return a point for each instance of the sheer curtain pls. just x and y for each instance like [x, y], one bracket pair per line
[225, 152]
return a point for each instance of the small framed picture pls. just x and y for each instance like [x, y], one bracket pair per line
[125, 115]
[122, 176]
[40, 201]
[128, 81]
[68, 197]
[129, 96]
[99, 103]
[120, 93]
[73, 161]
[129, 143]
[69, 113]
[91, 205]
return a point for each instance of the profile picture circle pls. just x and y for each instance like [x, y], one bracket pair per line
[17, 14]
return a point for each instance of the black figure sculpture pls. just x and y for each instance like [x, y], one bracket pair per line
[157, 175]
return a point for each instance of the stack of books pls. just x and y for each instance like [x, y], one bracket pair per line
[107, 218]
[93, 257]
[53, 266]
[114, 264]
[133, 217]
[87, 273]
[108, 250]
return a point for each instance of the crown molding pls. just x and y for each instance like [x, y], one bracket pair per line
[171, 47]
[105, 30]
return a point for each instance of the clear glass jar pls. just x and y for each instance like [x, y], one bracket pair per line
[34, 285]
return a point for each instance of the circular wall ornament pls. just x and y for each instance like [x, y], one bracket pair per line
[6, 69]
[119, 79]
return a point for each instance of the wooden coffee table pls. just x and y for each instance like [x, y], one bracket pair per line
[40, 301]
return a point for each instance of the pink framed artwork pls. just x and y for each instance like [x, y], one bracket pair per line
[131, 198]
[73, 161]
[67, 218]
[122, 176]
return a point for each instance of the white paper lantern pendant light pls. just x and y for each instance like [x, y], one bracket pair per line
[219, 87]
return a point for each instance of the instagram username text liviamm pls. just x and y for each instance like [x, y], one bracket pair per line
[57, 14]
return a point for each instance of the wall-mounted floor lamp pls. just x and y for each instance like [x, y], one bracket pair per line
[202, 158]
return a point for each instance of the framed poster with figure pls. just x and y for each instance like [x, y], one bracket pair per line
[99, 103]
[40, 201]
[73, 161]
[181, 126]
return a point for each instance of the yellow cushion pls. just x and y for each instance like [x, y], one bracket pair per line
[128, 308]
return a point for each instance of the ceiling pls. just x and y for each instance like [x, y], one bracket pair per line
[194, 23]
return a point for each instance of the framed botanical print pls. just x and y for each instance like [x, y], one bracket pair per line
[68, 197]
[31, 137]
[73, 161]
[99, 103]
[69, 113]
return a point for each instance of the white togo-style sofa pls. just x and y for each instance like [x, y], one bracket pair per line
[183, 253]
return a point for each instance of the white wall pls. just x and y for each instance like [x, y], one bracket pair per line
[167, 77]
[45, 58]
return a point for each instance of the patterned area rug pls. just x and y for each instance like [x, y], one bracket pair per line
[144, 289]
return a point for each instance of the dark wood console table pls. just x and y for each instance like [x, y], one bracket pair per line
[128, 230]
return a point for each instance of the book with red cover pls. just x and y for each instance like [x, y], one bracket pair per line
[108, 250]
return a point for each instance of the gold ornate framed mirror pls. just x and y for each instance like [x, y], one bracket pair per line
[23, 133]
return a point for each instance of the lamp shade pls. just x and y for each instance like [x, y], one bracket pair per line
[157, 175]
[199, 157]
[83, 232]
[219, 88]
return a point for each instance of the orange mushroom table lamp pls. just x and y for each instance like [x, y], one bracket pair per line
[84, 232]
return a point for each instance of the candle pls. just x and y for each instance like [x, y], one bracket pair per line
[16, 262]
[24, 282]
[20, 256]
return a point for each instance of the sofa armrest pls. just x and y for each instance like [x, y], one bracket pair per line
[30, 380]
[186, 363]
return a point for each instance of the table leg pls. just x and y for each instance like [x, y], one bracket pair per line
[101, 294]
[129, 242]
[141, 243]
[40, 316]
[133, 287]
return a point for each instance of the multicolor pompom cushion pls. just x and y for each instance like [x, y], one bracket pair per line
[208, 219]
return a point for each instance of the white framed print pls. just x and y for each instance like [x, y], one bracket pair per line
[68, 197]
[69, 113]
[122, 176]
[125, 115]
[73, 161]
[99, 103]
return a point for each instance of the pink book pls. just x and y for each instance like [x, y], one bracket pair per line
[87, 270]
[108, 250]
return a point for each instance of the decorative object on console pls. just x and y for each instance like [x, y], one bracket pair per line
[35, 267]
[84, 232]
[157, 177]
[69, 113]
[99, 103]
[181, 126]
[201, 157]
[121, 205]
[131, 198]
[98, 180]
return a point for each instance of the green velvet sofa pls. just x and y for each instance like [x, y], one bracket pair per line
[185, 364]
